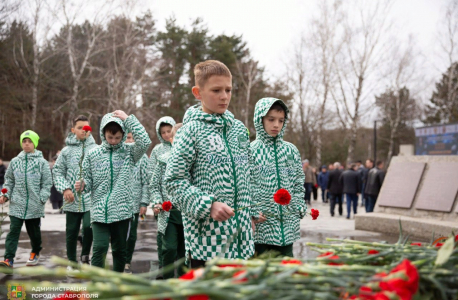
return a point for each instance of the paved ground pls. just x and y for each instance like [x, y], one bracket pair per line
[145, 256]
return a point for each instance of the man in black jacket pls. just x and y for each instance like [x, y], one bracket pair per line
[373, 185]
[2, 173]
[351, 181]
[335, 189]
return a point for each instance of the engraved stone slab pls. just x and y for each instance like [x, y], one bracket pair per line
[401, 184]
[440, 187]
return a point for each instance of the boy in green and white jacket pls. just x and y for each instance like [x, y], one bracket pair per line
[170, 223]
[207, 176]
[141, 199]
[275, 164]
[163, 131]
[28, 181]
[77, 207]
[108, 176]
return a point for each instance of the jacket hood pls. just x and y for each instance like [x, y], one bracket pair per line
[107, 119]
[164, 120]
[195, 113]
[261, 109]
[71, 140]
[35, 154]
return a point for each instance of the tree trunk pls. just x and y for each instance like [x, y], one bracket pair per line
[36, 73]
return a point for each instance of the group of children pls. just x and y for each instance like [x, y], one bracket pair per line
[220, 185]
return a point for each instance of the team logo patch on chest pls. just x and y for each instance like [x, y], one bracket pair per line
[215, 143]
[290, 159]
[243, 141]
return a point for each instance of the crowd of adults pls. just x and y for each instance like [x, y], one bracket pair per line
[356, 182]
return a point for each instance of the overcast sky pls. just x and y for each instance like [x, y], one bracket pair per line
[271, 27]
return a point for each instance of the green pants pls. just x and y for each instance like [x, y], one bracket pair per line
[132, 239]
[118, 232]
[12, 239]
[172, 247]
[284, 250]
[73, 228]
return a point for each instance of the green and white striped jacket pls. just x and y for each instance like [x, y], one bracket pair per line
[275, 164]
[28, 181]
[140, 184]
[66, 171]
[210, 162]
[108, 171]
[158, 190]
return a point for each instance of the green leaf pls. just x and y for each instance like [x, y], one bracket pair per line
[445, 251]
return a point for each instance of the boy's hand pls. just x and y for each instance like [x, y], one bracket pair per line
[68, 196]
[79, 186]
[2, 199]
[221, 212]
[143, 210]
[157, 209]
[120, 114]
[261, 218]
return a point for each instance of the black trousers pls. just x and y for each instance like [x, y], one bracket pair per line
[336, 199]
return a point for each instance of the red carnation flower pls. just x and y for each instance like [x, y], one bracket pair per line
[188, 276]
[456, 238]
[167, 205]
[415, 244]
[282, 197]
[4, 191]
[326, 254]
[198, 297]
[372, 251]
[381, 296]
[231, 266]
[438, 245]
[239, 273]
[315, 213]
[411, 272]
[291, 262]
[87, 128]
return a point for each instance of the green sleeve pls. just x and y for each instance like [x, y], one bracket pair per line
[46, 182]
[297, 193]
[60, 173]
[9, 181]
[156, 184]
[142, 140]
[254, 186]
[145, 179]
[87, 174]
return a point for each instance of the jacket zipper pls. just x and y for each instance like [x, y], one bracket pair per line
[279, 187]
[235, 188]
[26, 187]
[111, 185]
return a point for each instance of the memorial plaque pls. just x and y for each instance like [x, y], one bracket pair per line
[401, 184]
[440, 186]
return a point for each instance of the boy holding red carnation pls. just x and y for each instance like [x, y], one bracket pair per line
[277, 181]
[170, 223]
[66, 172]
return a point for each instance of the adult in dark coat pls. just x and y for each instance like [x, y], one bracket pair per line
[373, 185]
[335, 188]
[323, 179]
[351, 181]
